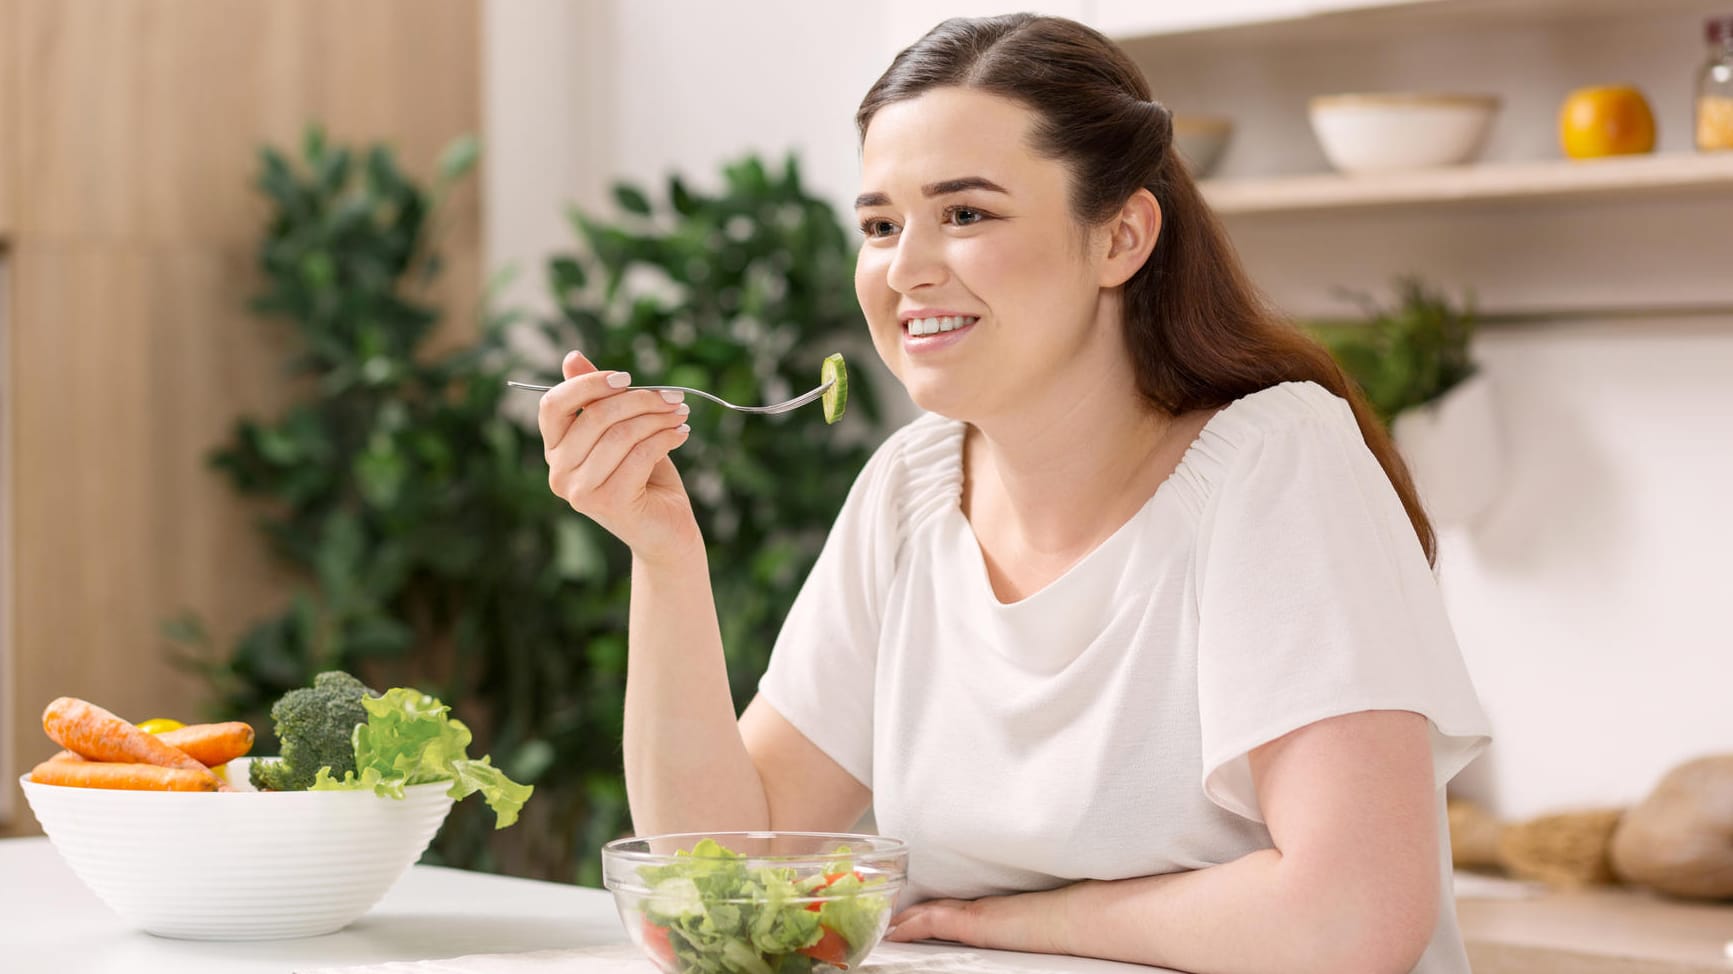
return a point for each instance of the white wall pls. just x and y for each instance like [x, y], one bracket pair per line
[583, 92]
[1591, 602]
[549, 76]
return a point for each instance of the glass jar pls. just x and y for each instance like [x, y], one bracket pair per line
[1715, 88]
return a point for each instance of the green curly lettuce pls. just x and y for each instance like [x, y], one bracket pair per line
[409, 739]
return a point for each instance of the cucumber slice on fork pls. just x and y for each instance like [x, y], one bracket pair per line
[836, 397]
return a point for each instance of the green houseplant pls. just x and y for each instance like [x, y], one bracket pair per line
[415, 507]
[1413, 361]
[1405, 355]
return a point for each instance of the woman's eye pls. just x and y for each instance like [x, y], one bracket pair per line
[877, 228]
[964, 216]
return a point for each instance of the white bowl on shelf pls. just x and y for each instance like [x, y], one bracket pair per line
[240, 865]
[1200, 140]
[1364, 133]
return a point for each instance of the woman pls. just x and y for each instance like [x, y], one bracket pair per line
[1134, 636]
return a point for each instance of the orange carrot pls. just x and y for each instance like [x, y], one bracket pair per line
[98, 735]
[65, 756]
[126, 776]
[211, 744]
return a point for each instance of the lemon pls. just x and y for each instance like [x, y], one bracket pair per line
[836, 397]
[156, 725]
[1612, 120]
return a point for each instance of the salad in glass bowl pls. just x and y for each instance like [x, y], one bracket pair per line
[755, 902]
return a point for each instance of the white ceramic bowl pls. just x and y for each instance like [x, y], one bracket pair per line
[243, 865]
[1200, 140]
[1383, 133]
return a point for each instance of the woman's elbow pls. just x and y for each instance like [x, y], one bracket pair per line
[1380, 927]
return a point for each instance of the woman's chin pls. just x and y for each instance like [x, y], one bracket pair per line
[932, 397]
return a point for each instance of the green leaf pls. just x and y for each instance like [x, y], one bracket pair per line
[566, 275]
[459, 158]
[684, 203]
[331, 172]
[380, 473]
[409, 740]
[631, 199]
[313, 145]
[378, 636]
[186, 628]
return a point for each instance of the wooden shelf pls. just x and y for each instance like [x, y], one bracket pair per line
[1627, 177]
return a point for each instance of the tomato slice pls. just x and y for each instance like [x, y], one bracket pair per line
[657, 944]
[831, 949]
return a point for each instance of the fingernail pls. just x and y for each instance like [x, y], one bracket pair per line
[669, 395]
[620, 380]
[891, 931]
[569, 356]
[683, 410]
[684, 428]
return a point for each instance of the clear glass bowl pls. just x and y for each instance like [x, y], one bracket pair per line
[758, 902]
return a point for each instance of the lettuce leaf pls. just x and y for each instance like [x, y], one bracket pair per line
[409, 739]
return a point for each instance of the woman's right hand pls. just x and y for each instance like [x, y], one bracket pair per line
[607, 450]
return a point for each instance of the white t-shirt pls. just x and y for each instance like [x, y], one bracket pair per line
[1099, 728]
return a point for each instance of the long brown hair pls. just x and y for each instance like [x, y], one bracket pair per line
[1199, 333]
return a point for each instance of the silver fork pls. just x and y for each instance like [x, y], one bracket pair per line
[770, 410]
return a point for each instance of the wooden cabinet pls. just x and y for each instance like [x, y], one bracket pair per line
[131, 259]
[8, 132]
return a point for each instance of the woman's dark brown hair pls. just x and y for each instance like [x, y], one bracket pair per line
[1200, 335]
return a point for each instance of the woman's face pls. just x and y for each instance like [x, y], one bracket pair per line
[967, 229]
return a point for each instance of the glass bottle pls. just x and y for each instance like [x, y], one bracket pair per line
[1715, 88]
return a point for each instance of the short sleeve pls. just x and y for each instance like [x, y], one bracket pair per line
[1315, 600]
[823, 666]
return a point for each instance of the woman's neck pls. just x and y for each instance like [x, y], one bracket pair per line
[1063, 471]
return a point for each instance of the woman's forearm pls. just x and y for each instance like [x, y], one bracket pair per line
[1250, 916]
[1255, 914]
[687, 768]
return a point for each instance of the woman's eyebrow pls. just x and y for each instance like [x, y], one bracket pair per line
[941, 188]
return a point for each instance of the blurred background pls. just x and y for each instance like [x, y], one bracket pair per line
[264, 267]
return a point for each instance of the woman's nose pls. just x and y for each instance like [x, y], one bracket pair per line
[918, 262]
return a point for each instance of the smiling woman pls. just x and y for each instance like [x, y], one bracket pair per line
[1133, 638]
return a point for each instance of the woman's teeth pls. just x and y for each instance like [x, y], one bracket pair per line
[932, 326]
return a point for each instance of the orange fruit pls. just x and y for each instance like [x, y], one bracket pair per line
[1612, 120]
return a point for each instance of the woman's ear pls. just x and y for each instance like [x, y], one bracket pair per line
[1131, 237]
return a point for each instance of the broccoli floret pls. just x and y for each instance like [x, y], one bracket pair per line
[316, 726]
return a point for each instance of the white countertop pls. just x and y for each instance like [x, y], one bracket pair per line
[49, 922]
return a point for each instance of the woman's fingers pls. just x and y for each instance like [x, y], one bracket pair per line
[561, 404]
[634, 471]
[604, 442]
[575, 364]
[604, 414]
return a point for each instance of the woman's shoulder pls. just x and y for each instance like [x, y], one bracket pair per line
[1289, 413]
[1282, 408]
